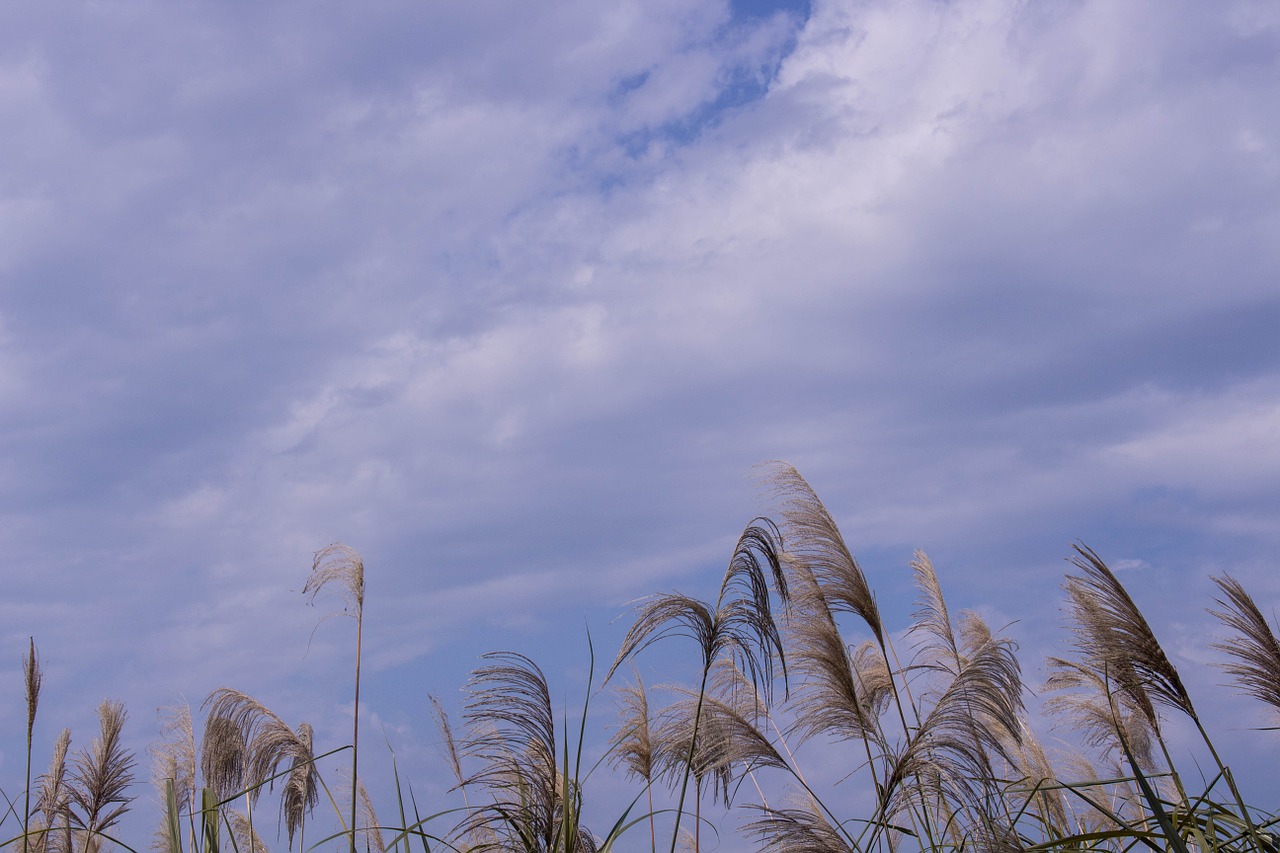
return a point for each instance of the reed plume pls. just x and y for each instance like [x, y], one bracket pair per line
[244, 837]
[174, 769]
[175, 754]
[247, 743]
[224, 756]
[1119, 646]
[53, 834]
[816, 548]
[1256, 651]
[633, 746]
[449, 743]
[100, 778]
[302, 786]
[373, 839]
[801, 829]
[714, 737]
[728, 742]
[932, 617]
[741, 625]
[836, 694]
[1107, 721]
[1036, 790]
[813, 538]
[1116, 641]
[976, 720]
[32, 678]
[512, 732]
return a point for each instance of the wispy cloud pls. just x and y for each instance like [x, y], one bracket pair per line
[511, 297]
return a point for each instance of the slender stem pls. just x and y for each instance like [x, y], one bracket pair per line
[355, 728]
[793, 767]
[32, 673]
[248, 810]
[697, 814]
[1231, 783]
[688, 766]
[26, 811]
[895, 669]
[653, 834]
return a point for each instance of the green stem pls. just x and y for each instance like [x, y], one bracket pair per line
[1231, 783]
[355, 728]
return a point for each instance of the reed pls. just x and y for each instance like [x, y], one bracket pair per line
[739, 625]
[98, 791]
[32, 678]
[341, 566]
[794, 659]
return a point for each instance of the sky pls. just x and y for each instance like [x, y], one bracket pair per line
[515, 297]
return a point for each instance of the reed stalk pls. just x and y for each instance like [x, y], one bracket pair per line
[32, 679]
[341, 565]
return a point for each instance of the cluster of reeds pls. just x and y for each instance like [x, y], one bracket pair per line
[936, 748]
[939, 749]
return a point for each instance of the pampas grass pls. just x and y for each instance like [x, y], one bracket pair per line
[98, 792]
[958, 765]
[54, 831]
[341, 566]
[32, 678]
[1115, 640]
[634, 745]
[740, 625]
[1254, 650]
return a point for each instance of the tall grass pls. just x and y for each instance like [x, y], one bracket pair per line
[927, 723]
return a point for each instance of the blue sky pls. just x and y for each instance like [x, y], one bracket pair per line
[513, 296]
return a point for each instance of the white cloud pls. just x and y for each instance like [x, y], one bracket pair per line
[497, 298]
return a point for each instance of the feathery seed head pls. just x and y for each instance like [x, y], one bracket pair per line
[100, 779]
[1256, 651]
[1116, 641]
[33, 678]
[812, 537]
[175, 755]
[632, 745]
[339, 564]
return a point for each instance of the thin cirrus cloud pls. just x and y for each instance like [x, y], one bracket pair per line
[512, 297]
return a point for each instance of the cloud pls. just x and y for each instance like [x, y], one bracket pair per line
[512, 299]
